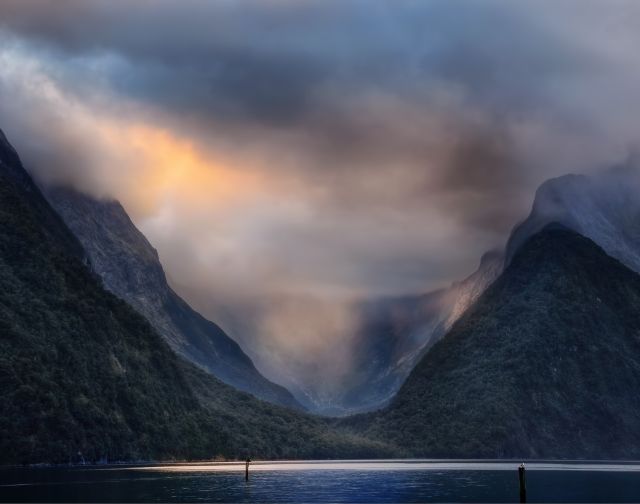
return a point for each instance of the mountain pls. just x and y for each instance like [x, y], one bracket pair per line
[84, 376]
[79, 369]
[603, 207]
[394, 333]
[546, 364]
[390, 338]
[376, 351]
[130, 268]
[384, 339]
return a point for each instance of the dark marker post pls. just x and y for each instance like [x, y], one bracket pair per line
[246, 469]
[523, 486]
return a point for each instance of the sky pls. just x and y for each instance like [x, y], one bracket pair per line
[291, 156]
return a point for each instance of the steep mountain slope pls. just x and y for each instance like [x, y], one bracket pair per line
[130, 268]
[84, 375]
[79, 370]
[603, 207]
[51, 223]
[394, 333]
[545, 364]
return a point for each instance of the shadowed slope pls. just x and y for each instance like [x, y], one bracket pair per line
[130, 268]
[83, 375]
[545, 364]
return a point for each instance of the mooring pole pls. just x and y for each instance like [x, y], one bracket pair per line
[523, 485]
[246, 469]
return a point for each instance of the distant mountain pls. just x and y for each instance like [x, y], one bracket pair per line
[546, 363]
[130, 268]
[394, 333]
[84, 376]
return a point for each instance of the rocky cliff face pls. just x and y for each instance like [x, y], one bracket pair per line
[130, 268]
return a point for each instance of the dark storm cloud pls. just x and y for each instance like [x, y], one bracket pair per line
[233, 87]
[456, 79]
[483, 170]
[213, 57]
[285, 61]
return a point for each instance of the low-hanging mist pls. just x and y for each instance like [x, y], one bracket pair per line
[289, 159]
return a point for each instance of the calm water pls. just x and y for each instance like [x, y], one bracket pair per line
[358, 481]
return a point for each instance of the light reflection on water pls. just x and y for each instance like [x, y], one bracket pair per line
[326, 481]
[389, 465]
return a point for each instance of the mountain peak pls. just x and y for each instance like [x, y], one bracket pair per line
[552, 193]
[490, 256]
[543, 365]
[604, 207]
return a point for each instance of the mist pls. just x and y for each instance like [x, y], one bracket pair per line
[289, 159]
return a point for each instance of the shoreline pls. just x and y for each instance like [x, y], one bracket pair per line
[407, 463]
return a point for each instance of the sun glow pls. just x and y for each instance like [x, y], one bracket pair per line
[168, 168]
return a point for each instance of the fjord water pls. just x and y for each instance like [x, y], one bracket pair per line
[345, 481]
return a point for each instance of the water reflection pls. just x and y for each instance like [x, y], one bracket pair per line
[347, 481]
[391, 465]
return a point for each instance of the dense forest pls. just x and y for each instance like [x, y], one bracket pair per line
[544, 365]
[85, 377]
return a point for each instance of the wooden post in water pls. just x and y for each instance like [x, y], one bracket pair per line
[246, 469]
[523, 485]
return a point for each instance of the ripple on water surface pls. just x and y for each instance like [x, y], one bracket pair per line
[347, 481]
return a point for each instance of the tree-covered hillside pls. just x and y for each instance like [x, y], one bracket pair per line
[545, 364]
[130, 268]
[82, 375]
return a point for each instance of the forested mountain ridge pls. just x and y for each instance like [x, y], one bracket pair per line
[546, 364]
[80, 370]
[84, 376]
[396, 333]
[604, 207]
[130, 268]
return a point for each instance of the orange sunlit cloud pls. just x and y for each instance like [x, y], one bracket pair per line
[163, 166]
